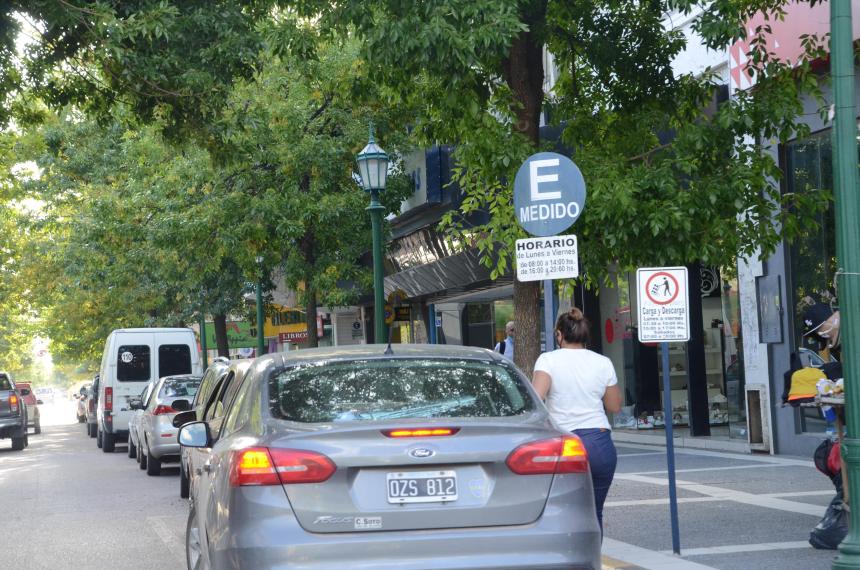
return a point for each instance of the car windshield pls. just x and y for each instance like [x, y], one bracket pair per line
[396, 388]
[179, 388]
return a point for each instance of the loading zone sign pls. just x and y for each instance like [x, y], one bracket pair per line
[547, 258]
[664, 304]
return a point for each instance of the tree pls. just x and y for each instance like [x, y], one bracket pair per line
[477, 67]
[290, 138]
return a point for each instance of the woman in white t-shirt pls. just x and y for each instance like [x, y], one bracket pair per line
[579, 387]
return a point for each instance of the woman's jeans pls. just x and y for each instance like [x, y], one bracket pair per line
[602, 458]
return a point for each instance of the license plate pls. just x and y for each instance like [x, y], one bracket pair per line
[422, 486]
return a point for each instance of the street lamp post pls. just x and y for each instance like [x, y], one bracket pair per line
[261, 349]
[847, 208]
[373, 168]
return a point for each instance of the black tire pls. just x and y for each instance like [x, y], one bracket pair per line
[192, 538]
[38, 429]
[153, 465]
[19, 443]
[98, 438]
[141, 458]
[132, 450]
[91, 430]
[184, 483]
[108, 442]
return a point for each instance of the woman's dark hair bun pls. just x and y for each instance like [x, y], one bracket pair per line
[574, 327]
[576, 314]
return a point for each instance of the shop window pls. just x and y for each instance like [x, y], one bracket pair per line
[808, 165]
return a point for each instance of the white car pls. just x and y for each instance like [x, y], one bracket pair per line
[156, 436]
[138, 405]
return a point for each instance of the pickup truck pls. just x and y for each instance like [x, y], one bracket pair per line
[13, 413]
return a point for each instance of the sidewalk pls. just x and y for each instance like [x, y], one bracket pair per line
[736, 511]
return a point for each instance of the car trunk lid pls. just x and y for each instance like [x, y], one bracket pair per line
[386, 482]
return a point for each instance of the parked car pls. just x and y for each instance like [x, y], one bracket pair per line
[81, 404]
[90, 400]
[211, 390]
[156, 436]
[138, 404]
[13, 413]
[131, 358]
[431, 457]
[45, 394]
[33, 416]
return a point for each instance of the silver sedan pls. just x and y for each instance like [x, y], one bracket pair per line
[156, 436]
[351, 457]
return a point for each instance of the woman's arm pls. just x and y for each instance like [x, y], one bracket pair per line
[612, 399]
[541, 382]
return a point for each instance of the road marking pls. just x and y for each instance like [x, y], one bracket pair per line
[718, 454]
[731, 495]
[648, 559]
[665, 501]
[739, 548]
[174, 545]
[620, 455]
[700, 469]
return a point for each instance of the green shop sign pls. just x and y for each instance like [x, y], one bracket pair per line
[238, 335]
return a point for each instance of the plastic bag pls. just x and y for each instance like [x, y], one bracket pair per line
[829, 533]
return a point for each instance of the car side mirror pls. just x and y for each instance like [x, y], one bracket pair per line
[183, 418]
[25, 391]
[135, 404]
[182, 405]
[195, 434]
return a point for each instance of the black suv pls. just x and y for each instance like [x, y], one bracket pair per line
[13, 413]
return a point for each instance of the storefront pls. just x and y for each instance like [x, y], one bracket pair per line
[639, 366]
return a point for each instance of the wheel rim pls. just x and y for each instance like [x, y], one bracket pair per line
[194, 548]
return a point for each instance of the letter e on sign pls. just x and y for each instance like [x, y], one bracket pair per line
[535, 179]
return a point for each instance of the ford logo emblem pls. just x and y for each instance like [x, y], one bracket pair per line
[422, 453]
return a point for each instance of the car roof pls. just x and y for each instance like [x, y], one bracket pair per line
[366, 351]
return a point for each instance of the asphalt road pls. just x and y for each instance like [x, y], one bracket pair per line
[66, 504]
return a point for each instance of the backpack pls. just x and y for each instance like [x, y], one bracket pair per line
[502, 346]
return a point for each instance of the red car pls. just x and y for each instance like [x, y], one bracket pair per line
[32, 403]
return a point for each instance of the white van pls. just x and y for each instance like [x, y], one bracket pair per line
[133, 357]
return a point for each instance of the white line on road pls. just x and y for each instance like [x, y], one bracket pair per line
[700, 469]
[649, 559]
[173, 543]
[665, 501]
[731, 495]
[774, 459]
[739, 548]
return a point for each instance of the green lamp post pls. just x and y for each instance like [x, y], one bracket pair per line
[847, 209]
[373, 169]
[261, 349]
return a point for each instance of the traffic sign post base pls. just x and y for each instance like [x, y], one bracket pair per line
[670, 450]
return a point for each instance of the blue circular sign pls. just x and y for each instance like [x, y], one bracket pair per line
[549, 194]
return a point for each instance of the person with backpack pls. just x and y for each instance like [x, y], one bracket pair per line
[506, 346]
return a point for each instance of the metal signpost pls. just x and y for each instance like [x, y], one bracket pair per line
[549, 196]
[664, 317]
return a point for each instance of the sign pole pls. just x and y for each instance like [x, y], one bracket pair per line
[670, 449]
[548, 315]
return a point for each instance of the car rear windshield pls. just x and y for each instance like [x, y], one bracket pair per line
[396, 388]
[174, 359]
[132, 363]
[179, 388]
[5, 384]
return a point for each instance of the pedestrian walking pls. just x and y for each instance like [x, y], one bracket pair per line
[579, 387]
[506, 346]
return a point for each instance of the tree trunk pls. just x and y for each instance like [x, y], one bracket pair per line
[311, 315]
[307, 245]
[523, 71]
[220, 323]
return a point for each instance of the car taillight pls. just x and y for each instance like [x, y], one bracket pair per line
[162, 409]
[420, 432]
[108, 399]
[13, 402]
[264, 466]
[557, 455]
